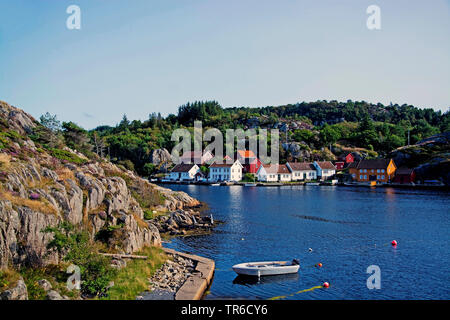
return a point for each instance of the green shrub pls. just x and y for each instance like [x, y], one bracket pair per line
[66, 156]
[77, 248]
[148, 214]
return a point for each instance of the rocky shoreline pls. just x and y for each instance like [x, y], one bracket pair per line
[165, 283]
[184, 222]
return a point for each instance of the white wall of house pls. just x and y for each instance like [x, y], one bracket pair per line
[304, 175]
[190, 175]
[326, 173]
[228, 173]
[284, 177]
[266, 177]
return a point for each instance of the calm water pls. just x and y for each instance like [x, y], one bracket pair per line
[348, 229]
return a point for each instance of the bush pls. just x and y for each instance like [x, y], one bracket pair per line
[249, 177]
[149, 169]
[148, 214]
[77, 248]
[66, 156]
[126, 164]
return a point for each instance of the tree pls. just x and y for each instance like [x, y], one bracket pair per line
[99, 144]
[50, 121]
[328, 134]
[149, 169]
[76, 137]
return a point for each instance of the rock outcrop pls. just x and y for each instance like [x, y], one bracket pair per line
[18, 292]
[39, 190]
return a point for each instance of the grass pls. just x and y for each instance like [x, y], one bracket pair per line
[66, 156]
[5, 161]
[65, 173]
[57, 277]
[36, 205]
[134, 278]
[8, 279]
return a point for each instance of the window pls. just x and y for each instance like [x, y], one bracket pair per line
[360, 170]
[360, 177]
[365, 177]
[382, 177]
[382, 170]
[378, 170]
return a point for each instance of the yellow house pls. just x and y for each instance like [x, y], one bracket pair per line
[381, 170]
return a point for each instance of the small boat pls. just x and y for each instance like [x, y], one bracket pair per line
[268, 268]
[250, 185]
[215, 184]
[312, 183]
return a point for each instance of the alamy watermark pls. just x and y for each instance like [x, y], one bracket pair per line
[374, 280]
[256, 140]
[73, 22]
[374, 20]
[74, 280]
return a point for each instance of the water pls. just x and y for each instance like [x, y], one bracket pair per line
[348, 229]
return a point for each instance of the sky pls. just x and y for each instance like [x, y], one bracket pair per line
[143, 56]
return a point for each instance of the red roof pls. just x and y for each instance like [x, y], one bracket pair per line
[246, 153]
[326, 165]
[276, 168]
[301, 166]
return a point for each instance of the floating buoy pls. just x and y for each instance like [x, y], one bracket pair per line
[326, 284]
[242, 239]
[319, 265]
[310, 250]
[394, 243]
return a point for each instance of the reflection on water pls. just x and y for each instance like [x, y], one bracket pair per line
[249, 280]
[348, 229]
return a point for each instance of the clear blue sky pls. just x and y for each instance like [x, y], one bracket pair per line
[143, 56]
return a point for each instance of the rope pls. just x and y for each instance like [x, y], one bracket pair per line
[292, 294]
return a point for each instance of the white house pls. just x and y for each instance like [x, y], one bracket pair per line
[274, 173]
[268, 173]
[196, 157]
[225, 172]
[185, 172]
[325, 169]
[302, 171]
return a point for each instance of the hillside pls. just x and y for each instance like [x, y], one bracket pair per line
[50, 197]
[307, 130]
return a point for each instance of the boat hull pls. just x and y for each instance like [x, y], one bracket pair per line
[269, 268]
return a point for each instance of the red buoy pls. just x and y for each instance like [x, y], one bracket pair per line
[326, 284]
[394, 243]
[319, 265]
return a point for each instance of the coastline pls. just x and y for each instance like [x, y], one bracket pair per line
[198, 282]
[353, 184]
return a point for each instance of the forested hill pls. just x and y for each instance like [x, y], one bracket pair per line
[309, 128]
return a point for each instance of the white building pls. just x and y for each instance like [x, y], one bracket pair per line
[325, 169]
[302, 171]
[274, 173]
[225, 172]
[184, 172]
[268, 173]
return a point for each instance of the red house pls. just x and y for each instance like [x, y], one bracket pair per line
[404, 175]
[249, 161]
[349, 158]
[339, 165]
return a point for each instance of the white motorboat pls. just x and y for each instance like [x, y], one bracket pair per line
[250, 184]
[215, 184]
[267, 268]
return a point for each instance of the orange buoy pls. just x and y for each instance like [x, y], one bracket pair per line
[319, 265]
[394, 243]
[326, 284]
